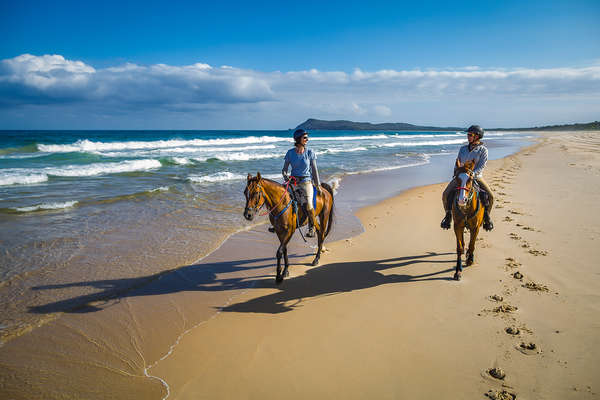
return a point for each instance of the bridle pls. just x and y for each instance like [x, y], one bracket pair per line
[469, 191]
[261, 191]
[261, 197]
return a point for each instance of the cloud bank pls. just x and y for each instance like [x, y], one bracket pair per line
[47, 81]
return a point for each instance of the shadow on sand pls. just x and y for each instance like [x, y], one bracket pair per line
[338, 278]
[242, 274]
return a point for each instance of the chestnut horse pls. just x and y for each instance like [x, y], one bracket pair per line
[467, 212]
[261, 192]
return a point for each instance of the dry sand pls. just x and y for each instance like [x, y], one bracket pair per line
[379, 318]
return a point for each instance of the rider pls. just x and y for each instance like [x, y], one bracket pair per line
[477, 152]
[304, 167]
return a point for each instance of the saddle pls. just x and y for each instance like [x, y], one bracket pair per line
[298, 199]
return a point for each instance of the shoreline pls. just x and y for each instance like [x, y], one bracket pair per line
[121, 257]
[238, 283]
[292, 346]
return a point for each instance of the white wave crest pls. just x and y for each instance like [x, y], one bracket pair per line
[426, 143]
[16, 177]
[177, 151]
[181, 160]
[47, 206]
[25, 176]
[86, 145]
[226, 176]
[244, 156]
[347, 138]
[104, 168]
[216, 177]
[349, 150]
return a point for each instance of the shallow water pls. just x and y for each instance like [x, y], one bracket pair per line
[111, 207]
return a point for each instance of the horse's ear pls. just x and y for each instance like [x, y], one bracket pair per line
[249, 177]
[258, 176]
[469, 165]
[458, 164]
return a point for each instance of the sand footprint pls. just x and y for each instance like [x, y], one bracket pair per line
[529, 348]
[512, 263]
[500, 395]
[497, 298]
[536, 287]
[538, 252]
[518, 275]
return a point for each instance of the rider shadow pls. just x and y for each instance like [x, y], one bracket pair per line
[338, 278]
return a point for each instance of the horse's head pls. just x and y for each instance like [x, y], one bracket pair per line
[464, 175]
[255, 197]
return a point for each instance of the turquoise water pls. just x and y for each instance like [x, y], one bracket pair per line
[82, 205]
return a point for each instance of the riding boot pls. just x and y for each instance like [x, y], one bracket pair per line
[488, 225]
[312, 223]
[446, 221]
[448, 208]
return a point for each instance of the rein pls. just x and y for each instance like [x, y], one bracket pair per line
[287, 185]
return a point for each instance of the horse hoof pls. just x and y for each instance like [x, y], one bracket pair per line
[286, 274]
[457, 276]
[315, 262]
[279, 280]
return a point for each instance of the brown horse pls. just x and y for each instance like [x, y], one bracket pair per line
[261, 192]
[467, 212]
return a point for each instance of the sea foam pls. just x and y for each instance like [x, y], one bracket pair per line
[47, 206]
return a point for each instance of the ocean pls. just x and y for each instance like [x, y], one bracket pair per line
[111, 206]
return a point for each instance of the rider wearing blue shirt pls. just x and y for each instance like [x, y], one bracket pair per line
[304, 169]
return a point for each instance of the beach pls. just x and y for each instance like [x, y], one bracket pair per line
[380, 317]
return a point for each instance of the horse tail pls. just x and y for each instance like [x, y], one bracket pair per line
[330, 221]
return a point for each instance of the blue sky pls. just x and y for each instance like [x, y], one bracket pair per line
[271, 65]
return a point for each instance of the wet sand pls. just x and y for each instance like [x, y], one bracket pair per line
[380, 317]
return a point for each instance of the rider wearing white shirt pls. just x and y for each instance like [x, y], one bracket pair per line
[477, 152]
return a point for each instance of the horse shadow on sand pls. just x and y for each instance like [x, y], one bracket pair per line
[334, 278]
[255, 273]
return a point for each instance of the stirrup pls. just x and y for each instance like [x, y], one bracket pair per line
[310, 232]
[446, 221]
[271, 229]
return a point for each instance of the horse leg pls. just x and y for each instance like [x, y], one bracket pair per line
[460, 248]
[280, 252]
[284, 242]
[320, 238]
[471, 249]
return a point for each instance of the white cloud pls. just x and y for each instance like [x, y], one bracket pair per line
[28, 79]
[49, 81]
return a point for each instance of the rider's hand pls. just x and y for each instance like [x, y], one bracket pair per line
[319, 190]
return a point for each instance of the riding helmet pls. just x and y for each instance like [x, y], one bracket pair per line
[299, 133]
[476, 129]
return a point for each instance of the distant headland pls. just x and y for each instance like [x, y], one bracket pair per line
[318, 124]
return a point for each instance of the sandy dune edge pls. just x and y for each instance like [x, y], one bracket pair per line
[380, 317]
